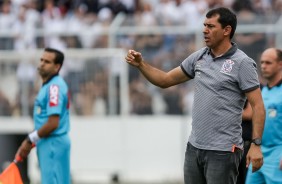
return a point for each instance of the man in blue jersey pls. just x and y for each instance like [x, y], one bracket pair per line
[271, 171]
[224, 76]
[51, 120]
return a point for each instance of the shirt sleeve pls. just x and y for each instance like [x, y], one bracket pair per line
[188, 65]
[55, 99]
[248, 76]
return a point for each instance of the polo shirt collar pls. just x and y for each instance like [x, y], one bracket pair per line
[227, 54]
[278, 84]
[50, 79]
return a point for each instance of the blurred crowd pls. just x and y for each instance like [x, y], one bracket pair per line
[64, 24]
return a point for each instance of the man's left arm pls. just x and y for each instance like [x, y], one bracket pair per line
[255, 155]
[51, 125]
[44, 131]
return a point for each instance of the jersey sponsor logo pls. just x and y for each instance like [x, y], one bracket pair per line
[53, 95]
[227, 66]
[199, 64]
[198, 67]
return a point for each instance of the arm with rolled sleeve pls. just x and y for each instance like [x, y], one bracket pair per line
[249, 83]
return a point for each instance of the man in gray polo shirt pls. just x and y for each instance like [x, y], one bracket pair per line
[224, 76]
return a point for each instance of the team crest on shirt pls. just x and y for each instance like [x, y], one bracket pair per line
[53, 95]
[227, 66]
[272, 113]
[38, 110]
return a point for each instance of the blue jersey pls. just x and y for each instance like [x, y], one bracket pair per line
[52, 99]
[271, 139]
[272, 98]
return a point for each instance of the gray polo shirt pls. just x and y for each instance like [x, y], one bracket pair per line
[220, 86]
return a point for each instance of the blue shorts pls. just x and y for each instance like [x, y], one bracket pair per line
[269, 172]
[54, 159]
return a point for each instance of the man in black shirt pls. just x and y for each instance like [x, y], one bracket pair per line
[247, 138]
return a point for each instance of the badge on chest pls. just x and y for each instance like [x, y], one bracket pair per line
[38, 109]
[227, 66]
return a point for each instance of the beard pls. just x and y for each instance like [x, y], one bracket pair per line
[43, 74]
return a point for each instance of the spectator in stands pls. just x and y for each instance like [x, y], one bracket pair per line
[25, 26]
[26, 78]
[277, 7]
[84, 99]
[215, 3]
[102, 24]
[130, 5]
[169, 12]
[7, 18]
[249, 42]
[271, 171]
[116, 7]
[224, 76]
[91, 6]
[53, 24]
[141, 100]
[5, 106]
[145, 17]
[193, 11]
[173, 100]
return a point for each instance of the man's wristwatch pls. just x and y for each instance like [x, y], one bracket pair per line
[257, 141]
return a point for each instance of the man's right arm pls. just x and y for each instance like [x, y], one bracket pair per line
[255, 155]
[258, 115]
[154, 75]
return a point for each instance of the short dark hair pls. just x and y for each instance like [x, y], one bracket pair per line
[226, 17]
[59, 56]
[279, 55]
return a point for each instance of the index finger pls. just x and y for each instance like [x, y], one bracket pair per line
[257, 165]
[247, 161]
[134, 53]
[254, 169]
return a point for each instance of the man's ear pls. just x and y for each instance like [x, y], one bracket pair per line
[227, 30]
[280, 64]
[58, 67]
